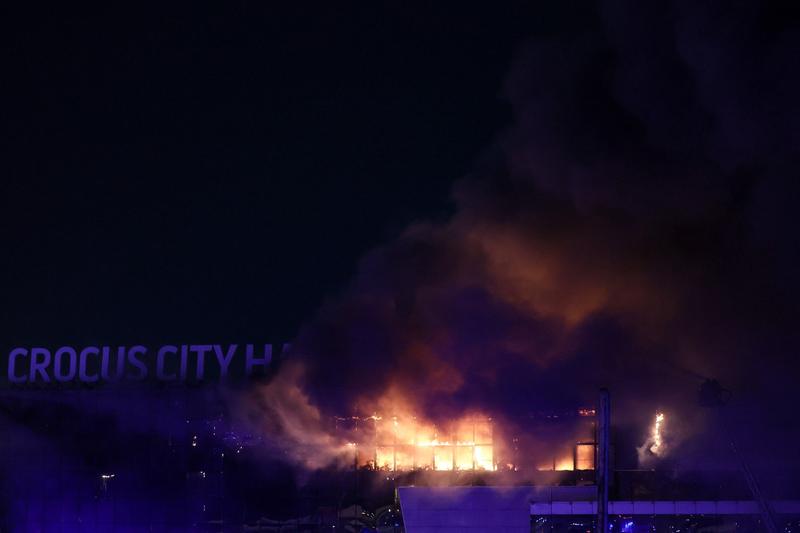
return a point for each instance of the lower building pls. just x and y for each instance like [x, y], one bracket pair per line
[573, 509]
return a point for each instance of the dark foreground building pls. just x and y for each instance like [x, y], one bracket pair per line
[573, 509]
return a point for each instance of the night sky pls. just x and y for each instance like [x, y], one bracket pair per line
[217, 171]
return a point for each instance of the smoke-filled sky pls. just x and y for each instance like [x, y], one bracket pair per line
[632, 227]
[496, 210]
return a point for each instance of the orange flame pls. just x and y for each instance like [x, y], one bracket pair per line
[400, 444]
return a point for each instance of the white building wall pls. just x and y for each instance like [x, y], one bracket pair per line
[477, 509]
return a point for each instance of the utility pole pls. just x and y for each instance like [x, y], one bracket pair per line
[603, 424]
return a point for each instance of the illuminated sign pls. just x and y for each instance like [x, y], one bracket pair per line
[92, 364]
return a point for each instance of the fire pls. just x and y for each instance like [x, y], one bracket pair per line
[407, 443]
[582, 460]
[565, 463]
[656, 447]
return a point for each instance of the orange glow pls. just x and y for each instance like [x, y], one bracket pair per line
[584, 456]
[384, 457]
[565, 463]
[443, 457]
[401, 444]
[580, 458]
[484, 458]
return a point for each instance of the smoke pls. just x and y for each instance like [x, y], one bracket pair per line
[632, 228]
[294, 428]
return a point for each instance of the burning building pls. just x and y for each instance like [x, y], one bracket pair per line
[405, 444]
[472, 443]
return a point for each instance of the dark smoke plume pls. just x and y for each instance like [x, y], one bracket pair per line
[632, 228]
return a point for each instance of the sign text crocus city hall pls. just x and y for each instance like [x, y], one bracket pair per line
[181, 362]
